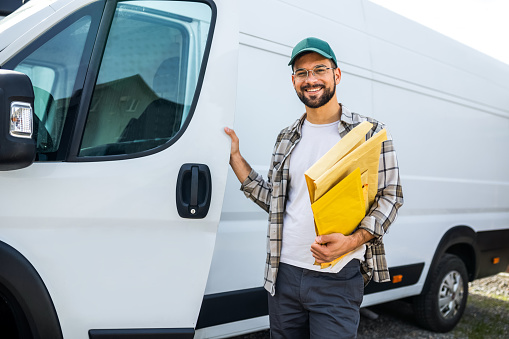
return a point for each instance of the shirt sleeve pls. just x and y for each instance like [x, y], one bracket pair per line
[389, 197]
[257, 189]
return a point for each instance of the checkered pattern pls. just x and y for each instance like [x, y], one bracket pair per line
[271, 195]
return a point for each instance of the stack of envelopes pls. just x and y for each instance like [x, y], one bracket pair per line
[342, 184]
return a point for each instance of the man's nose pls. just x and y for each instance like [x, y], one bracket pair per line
[311, 77]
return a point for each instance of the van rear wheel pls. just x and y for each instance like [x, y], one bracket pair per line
[440, 307]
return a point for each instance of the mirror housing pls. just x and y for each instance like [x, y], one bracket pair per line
[17, 143]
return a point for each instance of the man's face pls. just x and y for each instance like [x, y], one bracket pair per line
[315, 91]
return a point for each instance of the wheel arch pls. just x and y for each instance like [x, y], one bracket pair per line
[25, 291]
[460, 241]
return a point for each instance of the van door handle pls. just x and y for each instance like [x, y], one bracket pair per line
[194, 189]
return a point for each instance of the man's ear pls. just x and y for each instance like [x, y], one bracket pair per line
[337, 74]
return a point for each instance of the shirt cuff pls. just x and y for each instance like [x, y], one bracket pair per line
[250, 178]
[370, 224]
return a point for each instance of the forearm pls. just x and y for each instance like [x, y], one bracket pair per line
[359, 237]
[240, 166]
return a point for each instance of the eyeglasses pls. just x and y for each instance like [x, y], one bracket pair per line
[318, 72]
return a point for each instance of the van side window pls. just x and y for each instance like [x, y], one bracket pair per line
[53, 69]
[147, 78]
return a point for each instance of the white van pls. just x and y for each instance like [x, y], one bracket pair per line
[119, 214]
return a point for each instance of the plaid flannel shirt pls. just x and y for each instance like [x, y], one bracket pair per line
[271, 195]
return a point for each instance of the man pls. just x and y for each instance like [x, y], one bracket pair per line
[305, 300]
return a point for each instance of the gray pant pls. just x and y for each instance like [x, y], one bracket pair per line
[310, 304]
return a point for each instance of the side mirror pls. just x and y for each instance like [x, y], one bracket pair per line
[17, 144]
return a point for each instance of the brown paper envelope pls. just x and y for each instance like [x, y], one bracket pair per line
[365, 157]
[351, 141]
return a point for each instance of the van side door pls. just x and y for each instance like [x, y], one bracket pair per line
[119, 213]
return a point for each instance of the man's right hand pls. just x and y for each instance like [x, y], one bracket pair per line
[237, 162]
[235, 142]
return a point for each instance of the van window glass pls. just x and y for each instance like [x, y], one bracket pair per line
[148, 76]
[53, 69]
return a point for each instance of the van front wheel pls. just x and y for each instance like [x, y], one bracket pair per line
[440, 307]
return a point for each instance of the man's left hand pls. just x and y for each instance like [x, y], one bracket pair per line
[328, 247]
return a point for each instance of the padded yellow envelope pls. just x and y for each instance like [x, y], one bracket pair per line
[342, 208]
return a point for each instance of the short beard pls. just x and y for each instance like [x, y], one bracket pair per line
[319, 102]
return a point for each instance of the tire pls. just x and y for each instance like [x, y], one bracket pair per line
[7, 323]
[440, 306]
[13, 322]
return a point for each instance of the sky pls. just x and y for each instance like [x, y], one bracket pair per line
[481, 24]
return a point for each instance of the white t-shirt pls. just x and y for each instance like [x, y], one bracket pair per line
[298, 222]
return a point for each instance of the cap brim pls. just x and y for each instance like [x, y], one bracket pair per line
[309, 49]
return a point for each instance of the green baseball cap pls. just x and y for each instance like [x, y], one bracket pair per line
[312, 45]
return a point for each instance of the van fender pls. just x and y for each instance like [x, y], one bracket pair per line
[27, 295]
[460, 241]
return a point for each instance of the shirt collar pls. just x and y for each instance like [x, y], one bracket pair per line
[346, 115]
[346, 124]
[296, 127]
